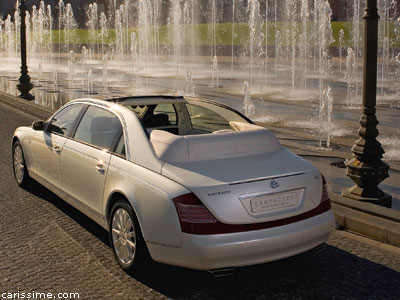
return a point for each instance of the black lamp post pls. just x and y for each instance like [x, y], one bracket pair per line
[366, 168]
[25, 84]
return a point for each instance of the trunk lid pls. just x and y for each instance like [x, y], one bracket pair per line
[253, 189]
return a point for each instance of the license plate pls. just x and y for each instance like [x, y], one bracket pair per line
[273, 202]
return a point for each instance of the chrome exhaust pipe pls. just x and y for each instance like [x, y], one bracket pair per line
[221, 272]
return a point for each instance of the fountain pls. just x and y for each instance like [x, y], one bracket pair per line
[341, 42]
[397, 74]
[266, 35]
[103, 32]
[215, 78]
[212, 29]
[350, 77]
[304, 15]
[85, 56]
[385, 58]
[177, 33]
[156, 29]
[145, 20]
[17, 26]
[105, 73]
[119, 34]
[71, 67]
[325, 38]
[356, 34]
[325, 118]
[92, 25]
[28, 34]
[90, 82]
[233, 32]
[49, 27]
[10, 38]
[189, 84]
[1, 35]
[255, 35]
[277, 37]
[291, 10]
[69, 24]
[248, 106]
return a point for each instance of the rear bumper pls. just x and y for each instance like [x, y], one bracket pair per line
[206, 252]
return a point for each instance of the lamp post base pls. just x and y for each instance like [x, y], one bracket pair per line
[358, 193]
[26, 95]
[24, 87]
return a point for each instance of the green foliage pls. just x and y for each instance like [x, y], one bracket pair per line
[203, 34]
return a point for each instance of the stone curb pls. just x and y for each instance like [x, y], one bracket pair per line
[25, 106]
[373, 221]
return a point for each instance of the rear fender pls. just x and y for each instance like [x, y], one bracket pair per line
[150, 195]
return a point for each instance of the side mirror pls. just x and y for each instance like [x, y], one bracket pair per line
[38, 125]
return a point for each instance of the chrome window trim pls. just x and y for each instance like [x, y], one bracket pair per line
[48, 121]
[102, 106]
[121, 119]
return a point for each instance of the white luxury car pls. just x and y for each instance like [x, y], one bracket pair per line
[187, 182]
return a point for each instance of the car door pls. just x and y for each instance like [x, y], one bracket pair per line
[47, 145]
[85, 157]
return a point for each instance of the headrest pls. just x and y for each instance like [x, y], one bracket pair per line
[156, 120]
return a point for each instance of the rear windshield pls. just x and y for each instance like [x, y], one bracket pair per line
[205, 119]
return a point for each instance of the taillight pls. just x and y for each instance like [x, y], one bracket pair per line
[195, 218]
[191, 210]
[325, 194]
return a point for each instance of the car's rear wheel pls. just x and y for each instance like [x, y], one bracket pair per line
[19, 166]
[126, 238]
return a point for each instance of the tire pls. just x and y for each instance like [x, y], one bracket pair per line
[126, 238]
[20, 170]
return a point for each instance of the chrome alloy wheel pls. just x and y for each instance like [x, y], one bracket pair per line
[123, 236]
[19, 164]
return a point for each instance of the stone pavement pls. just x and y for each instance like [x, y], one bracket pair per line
[48, 246]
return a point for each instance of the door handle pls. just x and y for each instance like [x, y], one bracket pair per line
[100, 168]
[57, 149]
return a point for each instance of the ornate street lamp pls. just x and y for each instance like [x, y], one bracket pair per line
[25, 84]
[366, 168]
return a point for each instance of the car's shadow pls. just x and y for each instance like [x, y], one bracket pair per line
[329, 274]
[87, 223]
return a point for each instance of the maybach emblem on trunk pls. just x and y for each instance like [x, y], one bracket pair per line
[273, 184]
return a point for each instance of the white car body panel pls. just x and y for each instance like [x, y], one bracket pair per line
[150, 195]
[219, 184]
[79, 175]
[47, 160]
[150, 184]
[206, 252]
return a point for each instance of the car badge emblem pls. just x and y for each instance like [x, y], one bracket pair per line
[274, 184]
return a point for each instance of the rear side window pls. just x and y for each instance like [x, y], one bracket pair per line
[205, 119]
[99, 128]
[63, 122]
